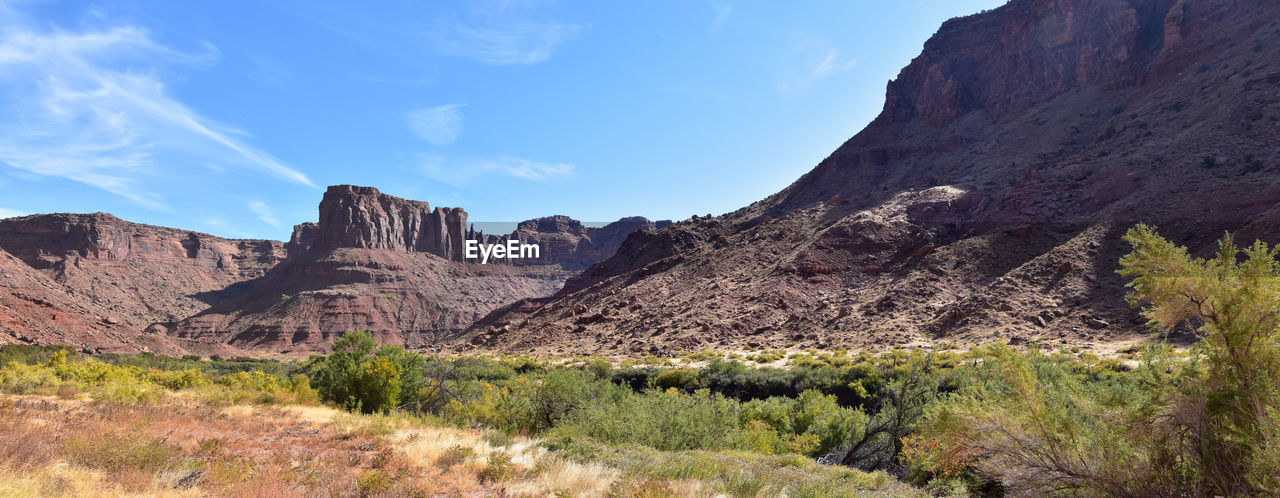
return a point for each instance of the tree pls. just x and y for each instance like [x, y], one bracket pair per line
[1224, 424]
[1199, 426]
[877, 444]
[354, 377]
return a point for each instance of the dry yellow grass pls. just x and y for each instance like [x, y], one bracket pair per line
[59, 447]
[63, 479]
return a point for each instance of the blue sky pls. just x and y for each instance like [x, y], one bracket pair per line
[230, 117]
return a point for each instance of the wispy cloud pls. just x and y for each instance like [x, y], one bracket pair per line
[722, 15]
[270, 72]
[393, 80]
[10, 213]
[455, 171]
[223, 228]
[264, 213]
[502, 32]
[810, 63]
[91, 107]
[438, 125]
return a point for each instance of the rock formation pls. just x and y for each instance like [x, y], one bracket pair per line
[373, 262]
[985, 202]
[564, 241]
[393, 267]
[363, 218]
[140, 274]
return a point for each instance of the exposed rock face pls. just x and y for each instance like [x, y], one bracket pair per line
[304, 234]
[373, 262]
[395, 268]
[34, 309]
[363, 218]
[985, 202]
[409, 298]
[565, 242]
[140, 274]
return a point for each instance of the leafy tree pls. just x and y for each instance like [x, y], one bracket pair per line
[1200, 426]
[1224, 426]
[354, 377]
[877, 443]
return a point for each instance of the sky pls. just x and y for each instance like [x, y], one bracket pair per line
[231, 117]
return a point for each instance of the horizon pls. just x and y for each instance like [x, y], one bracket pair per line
[231, 119]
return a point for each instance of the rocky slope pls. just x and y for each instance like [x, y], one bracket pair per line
[137, 274]
[986, 201]
[34, 309]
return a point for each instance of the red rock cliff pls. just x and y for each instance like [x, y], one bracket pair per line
[364, 218]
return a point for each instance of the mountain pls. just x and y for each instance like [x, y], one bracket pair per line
[395, 267]
[101, 280]
[374, 262]
[571, 245]
[985, 202]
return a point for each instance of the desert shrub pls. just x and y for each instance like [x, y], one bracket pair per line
[811, 424]
[677, 378]
[179, 379]
[599, 367]
[129, 392]
[1223, 433]
[736, 380]
[529, 404]
[454, 455]
[668, 420]
[21, 378]
[28, 354]
[117, 451]
[1203, 425]
[636, 378]
[262, 387]
[67, 391]
[471, 368]
[498, 468]
[374, 482]
[497, 439]
[414, 392]
[355, 378]
[728, 473]
[913, 383]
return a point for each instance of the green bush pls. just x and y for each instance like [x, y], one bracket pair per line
[667, 420]
[810, 424]
[355, 378]
[20, 378]
[1200, 426]
[530, 403]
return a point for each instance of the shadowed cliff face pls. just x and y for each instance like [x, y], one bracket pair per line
[141, 274]
[566, 243]
[985, 202]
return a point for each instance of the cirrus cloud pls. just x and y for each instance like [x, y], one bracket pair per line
[455, 171]
[502, 32]
[92, 107]
[438, 125]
